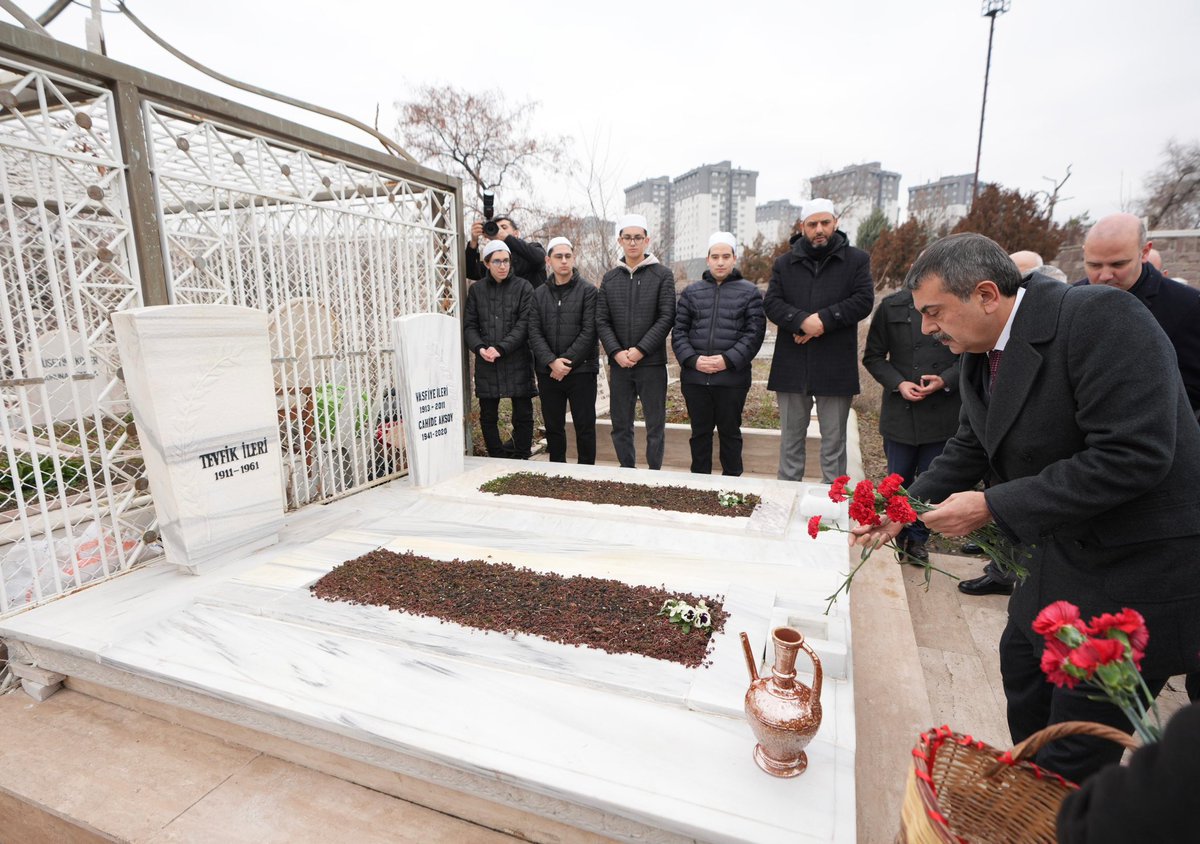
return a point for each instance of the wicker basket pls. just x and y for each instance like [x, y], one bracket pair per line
[962, 791]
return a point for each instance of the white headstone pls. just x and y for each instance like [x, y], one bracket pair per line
[61, 358]
[199, 379]
[429, 375]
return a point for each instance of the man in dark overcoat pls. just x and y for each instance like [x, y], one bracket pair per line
[1093, 468]
[919, 409]
[496, 330]
[818, 293]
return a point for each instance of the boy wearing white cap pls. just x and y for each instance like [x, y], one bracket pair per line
[634, 314]
[562, 334]
[496, 330]
[719, 327]
[818, 293]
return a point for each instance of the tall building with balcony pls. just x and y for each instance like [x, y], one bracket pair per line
[943, 202]
[776, 219]
[683, 212]
[858, 190]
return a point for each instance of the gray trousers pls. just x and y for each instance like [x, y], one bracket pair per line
[795, 412]
[626, 386]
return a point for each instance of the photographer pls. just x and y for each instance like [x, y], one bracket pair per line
[528, 259]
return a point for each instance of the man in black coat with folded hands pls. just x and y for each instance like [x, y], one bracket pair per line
[562, 335]
[1073, 407]
[719, 328]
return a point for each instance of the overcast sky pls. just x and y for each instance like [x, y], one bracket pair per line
[789, 90]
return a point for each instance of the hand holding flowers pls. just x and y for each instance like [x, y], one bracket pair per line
[882, 512]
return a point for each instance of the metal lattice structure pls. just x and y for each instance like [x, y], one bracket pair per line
[119, 189]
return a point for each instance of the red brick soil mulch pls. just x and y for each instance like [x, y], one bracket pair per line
[605, 614]
[680, 499]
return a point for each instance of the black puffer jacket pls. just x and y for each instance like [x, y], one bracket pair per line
[497, 315]
[637, 309]
[528, 261]
[562, 324]
[718, 319]
[834, 283]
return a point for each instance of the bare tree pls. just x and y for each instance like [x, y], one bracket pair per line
[478, 136]
[1173, 190]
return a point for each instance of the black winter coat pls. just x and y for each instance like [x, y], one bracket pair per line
[839, 289]
[637, 309]
[1176, 306]
[497, 315]
[897, 351]
[528, 261]
[562, 324]
[1150, 799]
[718, 319]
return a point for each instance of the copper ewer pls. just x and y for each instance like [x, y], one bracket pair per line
[784, 714]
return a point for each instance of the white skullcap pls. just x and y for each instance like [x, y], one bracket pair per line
[492, 247]
[632, 221]
[723, 237]
[817, 206]
[558, 241]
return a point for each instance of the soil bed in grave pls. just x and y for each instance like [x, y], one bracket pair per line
[605, 614]
[680, 499]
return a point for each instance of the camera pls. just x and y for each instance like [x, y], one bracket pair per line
[490, 227]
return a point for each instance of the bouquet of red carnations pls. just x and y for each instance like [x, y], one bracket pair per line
[1106, 654]
[870, 503]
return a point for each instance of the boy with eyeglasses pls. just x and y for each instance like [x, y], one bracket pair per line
[634, 314]
[496, 330]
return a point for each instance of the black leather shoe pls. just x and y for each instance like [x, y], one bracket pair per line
[985, 585]
[917, 551]
[971, 548]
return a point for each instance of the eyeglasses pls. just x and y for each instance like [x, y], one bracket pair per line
[632, 238]
[499, 262]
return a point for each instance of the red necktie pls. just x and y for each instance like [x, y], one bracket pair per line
[993, 367]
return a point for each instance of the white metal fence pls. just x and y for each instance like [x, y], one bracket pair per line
[332, 250]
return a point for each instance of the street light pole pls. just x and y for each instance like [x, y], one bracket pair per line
[991, 8]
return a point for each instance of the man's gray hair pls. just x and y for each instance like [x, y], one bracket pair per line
[1051, 271]
[961, 261]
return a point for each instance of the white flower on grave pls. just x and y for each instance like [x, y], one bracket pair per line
[668, 606]
[728, 498]
[703, 619]
[688, 615]
[679, 609]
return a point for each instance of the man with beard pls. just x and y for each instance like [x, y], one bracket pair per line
[719, 328]
[818, 293]
[634, 314]
[562, 334]
[1093, 468]
[496, 330]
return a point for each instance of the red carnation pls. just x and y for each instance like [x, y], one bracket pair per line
[837, 490]
[1056, 616]
[863, 513]
[890, 485]
[1096, 652]
[899, 510]
[814, 526]
[1129, 622]
[1053, 664]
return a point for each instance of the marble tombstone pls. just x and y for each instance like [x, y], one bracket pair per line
[200, 382]
[429, 383]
